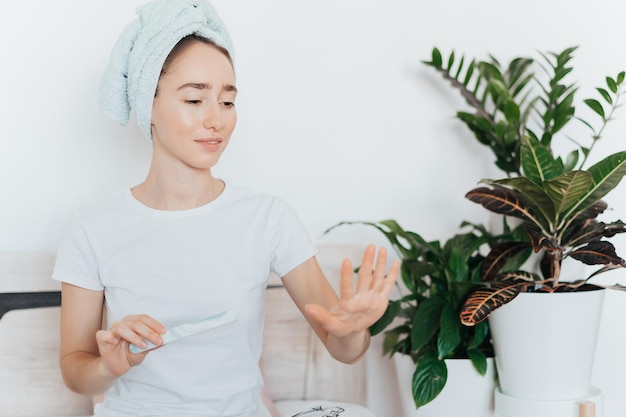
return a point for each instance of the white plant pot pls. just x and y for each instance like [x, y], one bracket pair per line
[466, 393]
[545, 344]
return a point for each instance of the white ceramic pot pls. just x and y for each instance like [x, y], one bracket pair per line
[545, 344]
[466, 393]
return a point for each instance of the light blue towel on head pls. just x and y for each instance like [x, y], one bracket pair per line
[132, 74]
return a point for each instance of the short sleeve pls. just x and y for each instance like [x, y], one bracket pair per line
[75, 262]
[291, 242]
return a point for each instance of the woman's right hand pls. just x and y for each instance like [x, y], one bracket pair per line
[114, 343]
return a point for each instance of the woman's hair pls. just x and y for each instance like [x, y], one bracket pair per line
[181, 45]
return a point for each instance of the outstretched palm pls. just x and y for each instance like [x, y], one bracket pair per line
[359, 306]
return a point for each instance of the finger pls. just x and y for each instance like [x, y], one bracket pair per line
[346, 283]
[124, 332]
[153, 323]
[378, 276]
[150, 329]
[146, 327]
[391, 278]
[365, 271]
[135, 330]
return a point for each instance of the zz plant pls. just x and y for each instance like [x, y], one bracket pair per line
[424, 322]
[557, 201]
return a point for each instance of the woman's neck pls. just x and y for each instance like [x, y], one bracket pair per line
[178, 192]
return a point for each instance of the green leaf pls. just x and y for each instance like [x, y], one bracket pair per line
[396, 236]
[563, 113]
[449, 332]
[425, 323]
[457, 265]
[460, 67]
[429, 378]
[571, 161]
[511, 112]
[595, 106]
[390, 340]
[620, 77]
[393, 308]
[437, 60]
[610, 82]
[537, 162]
[517, 70]
[479, 360]
[605, 94]
[481, 330]
[469, 73]
[450, 61]
[567, 188]
[520, 86]
[606, 175]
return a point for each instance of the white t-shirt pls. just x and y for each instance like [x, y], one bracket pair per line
[179, 266]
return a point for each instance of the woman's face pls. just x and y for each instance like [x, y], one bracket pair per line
[193, 115]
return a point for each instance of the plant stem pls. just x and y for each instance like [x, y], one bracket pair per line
[605, 121]
[467, 95]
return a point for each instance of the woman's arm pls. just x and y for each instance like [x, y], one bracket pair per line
[342, 322]
[81, 318]
[91, 358]
[269, 402]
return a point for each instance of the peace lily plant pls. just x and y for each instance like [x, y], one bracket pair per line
[557, 201]
[423, 322]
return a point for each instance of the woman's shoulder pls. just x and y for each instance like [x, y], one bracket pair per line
[239, 192]
[108, 206]
[256, 199]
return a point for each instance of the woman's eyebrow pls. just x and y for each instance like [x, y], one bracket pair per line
[207, 86]
[229, 88]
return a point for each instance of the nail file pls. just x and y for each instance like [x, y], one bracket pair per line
[188, 329]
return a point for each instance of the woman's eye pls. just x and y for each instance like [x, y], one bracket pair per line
[193, 102]
[229, 103]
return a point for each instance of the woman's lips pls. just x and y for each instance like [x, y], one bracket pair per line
[210, 144]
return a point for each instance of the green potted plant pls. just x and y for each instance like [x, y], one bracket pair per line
[556, 201]
[423, 323]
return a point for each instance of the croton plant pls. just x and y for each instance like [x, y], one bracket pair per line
[557, 201]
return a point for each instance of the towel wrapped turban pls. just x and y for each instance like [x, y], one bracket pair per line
[131, 76]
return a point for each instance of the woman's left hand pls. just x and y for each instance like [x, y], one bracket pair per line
[358, 307]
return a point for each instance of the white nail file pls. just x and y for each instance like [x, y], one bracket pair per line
[188, 329]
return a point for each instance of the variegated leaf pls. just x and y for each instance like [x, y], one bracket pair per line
[567, 188]
[606, 175]
[498, 257]
[538, 240]
[533, 196]
[484, 300]
[598, 253]
[501, 200]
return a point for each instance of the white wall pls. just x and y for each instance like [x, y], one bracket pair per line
[337, 114]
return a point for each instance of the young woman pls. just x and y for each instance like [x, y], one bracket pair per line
[184, 245]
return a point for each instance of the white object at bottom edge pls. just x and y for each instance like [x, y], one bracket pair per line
[506, 406]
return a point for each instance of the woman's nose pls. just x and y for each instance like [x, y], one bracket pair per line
[213, 116]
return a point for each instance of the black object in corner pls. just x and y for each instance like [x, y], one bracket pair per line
[21, 300]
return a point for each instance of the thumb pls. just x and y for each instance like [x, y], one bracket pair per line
[107, 337]
[318, 313]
